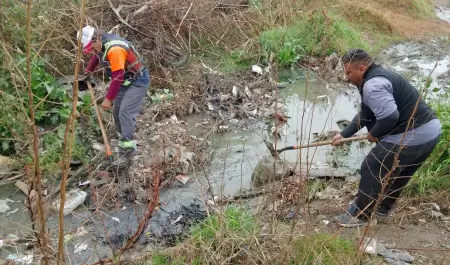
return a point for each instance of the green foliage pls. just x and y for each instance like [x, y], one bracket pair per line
[318, 34]
[323, 249]
[235, 221]
[434, 175]
[51, 101]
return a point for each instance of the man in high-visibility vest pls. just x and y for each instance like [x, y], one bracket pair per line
[130, 81]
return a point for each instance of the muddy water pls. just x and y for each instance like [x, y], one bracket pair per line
[237, 153]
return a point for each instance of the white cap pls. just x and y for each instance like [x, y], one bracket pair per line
[86, 37]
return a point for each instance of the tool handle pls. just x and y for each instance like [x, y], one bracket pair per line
[344, 140]
[100, 122]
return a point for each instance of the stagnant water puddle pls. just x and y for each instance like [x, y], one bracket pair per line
[314, 108]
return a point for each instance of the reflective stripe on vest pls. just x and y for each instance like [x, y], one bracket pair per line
[127, 46]
[114, 42]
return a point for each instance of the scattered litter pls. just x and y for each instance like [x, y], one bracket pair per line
[80, 248]
[445, 218]
[392, 256]
[257, 69]
[98, 147]
[370, 246]
[247, 92]
[281, 84]
[13, 211]
[174, 118]
[434, 205]
[85, 183]
[235, 91]
[423, 221]
[116, 219]
[435, 214]
[28, 259]
[183, 179]
[2, 244]
[234, 121]
[210, 107]
[406, 60]
[325, 222]
[177, 220]
[225, 97]
[4, 206]
[74, 198]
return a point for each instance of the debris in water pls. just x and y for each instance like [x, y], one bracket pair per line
[116, 219]
[4, 206]
[183, 179]
[80, 248]
[28, 259]
[177, 220]
[13, 211]
[74, 198]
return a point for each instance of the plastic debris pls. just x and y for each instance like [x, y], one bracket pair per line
[257, 69]
[13, 211]
[80, 248]
[182, 179]
[28, 259]
[4, 206]
[177, 220]
[74, 199]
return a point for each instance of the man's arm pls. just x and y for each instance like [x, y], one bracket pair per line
[93, 62]
[116, 57]
[355, 125]
[378, 96]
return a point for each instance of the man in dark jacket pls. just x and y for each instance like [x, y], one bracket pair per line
[388, 101]
[130, 81]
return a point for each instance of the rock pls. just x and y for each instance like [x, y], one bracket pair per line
[270, 169]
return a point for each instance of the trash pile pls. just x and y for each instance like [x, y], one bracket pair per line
[241, 96]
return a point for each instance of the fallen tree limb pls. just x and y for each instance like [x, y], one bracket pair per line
[123, 21]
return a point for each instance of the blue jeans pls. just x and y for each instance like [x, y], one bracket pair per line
[127, 104]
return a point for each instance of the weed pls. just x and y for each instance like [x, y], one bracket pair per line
[434, 175]
[316, 34]
[323, 249]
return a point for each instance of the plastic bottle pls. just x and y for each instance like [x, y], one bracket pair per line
[74, 198]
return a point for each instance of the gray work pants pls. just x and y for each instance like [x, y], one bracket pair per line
[127, 105]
